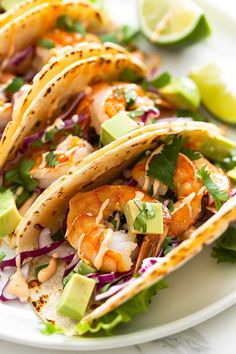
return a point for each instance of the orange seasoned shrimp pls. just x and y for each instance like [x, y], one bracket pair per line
[89, 231]
[106, 100]
[67, 153]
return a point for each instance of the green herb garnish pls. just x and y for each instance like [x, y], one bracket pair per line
[65, 23]
[217, 194]
[46, 43]
[50, 328]
[51, 159]
[160, 81]
[162, 166]
[15, 85]
[167, 245]
[130, 97]
[2, 255]
[192, 155]
[21, 175]
[225, 249]
[146, 213]
[122, 36]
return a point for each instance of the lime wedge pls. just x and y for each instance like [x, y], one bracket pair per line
[182, 92]
[217, 85]
[173, 22]
[8, 4]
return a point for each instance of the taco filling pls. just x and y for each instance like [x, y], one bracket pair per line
[113, 234]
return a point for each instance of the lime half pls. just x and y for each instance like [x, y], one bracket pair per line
[173, 22]
[217, 85]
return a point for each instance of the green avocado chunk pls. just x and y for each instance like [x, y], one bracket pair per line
[9, 215]
[116, 127]
[217, 147]
[8, 4]
[85, 269]
[144, 217]
[76, 296]
[183, 93]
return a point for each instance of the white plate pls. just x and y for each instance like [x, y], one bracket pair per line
[197, 291]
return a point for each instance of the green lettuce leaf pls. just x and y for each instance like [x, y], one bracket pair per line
[123, 313]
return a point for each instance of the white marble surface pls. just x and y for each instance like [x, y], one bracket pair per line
[215, 336]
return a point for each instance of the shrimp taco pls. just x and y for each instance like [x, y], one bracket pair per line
[34, 31]
[54, 129]
[93, 249]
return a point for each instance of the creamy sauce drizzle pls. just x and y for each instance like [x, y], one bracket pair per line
[139, 195]
[103, 248]
[49, 271]
[147, 178]
[100, 214]
[17, 284]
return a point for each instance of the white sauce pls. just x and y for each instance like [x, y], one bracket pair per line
[103, 248]
[147, 178]
[100, 214]
[49, 271]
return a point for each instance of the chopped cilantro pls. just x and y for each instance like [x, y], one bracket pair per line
[20, 199]
[50, 328]
[192, 155]
[2, 255]
[130, 97]
[49, 135]
[190, 114]
[128, 75]
[162, 166]
[51, 159]
[37, 143]
[65, 23]
[37, 269]
[167, 245]
[58, 235]
[161, 81]
[122, 36]
[46, 43]
[229, 162]
[77, 130]
[217, 194]
[21, 175]
[15, 85]
[146, 213]
[225, 250]
[171, 205]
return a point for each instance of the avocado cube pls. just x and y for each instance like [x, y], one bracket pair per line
[144, 217]
[217, 147]
[116, 127]
[232, 174]
[9, 214]
[76, 296]
[85, 269]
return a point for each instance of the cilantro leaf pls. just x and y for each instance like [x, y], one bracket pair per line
[130, 97]
[50, 328]
[122, 35]
[190, 114]
[192, 155]
[225, 250]
[46, 43]
[20, 199]
[146, 213]
[167, 245]
[21, 175]
[15, 85]
[65, 23]
[124, 313]
[171, 205]
[217, 194]
[229, 162]
[162, 166]
[49, 135]
[51, 159]
[2, 255]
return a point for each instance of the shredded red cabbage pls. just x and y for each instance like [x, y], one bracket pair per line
[72, 107]
[152, 112]
[18, 58]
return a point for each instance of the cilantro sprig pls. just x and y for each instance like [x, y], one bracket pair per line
[225, 249]
[65, 23]
[46, 43]
[51, 159]
[21, 176]
[162, 166]
[218, 195]
[15, 85]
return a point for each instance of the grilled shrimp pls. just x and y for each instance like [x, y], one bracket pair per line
[106, 100]
[90, 232]
[67, 153]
